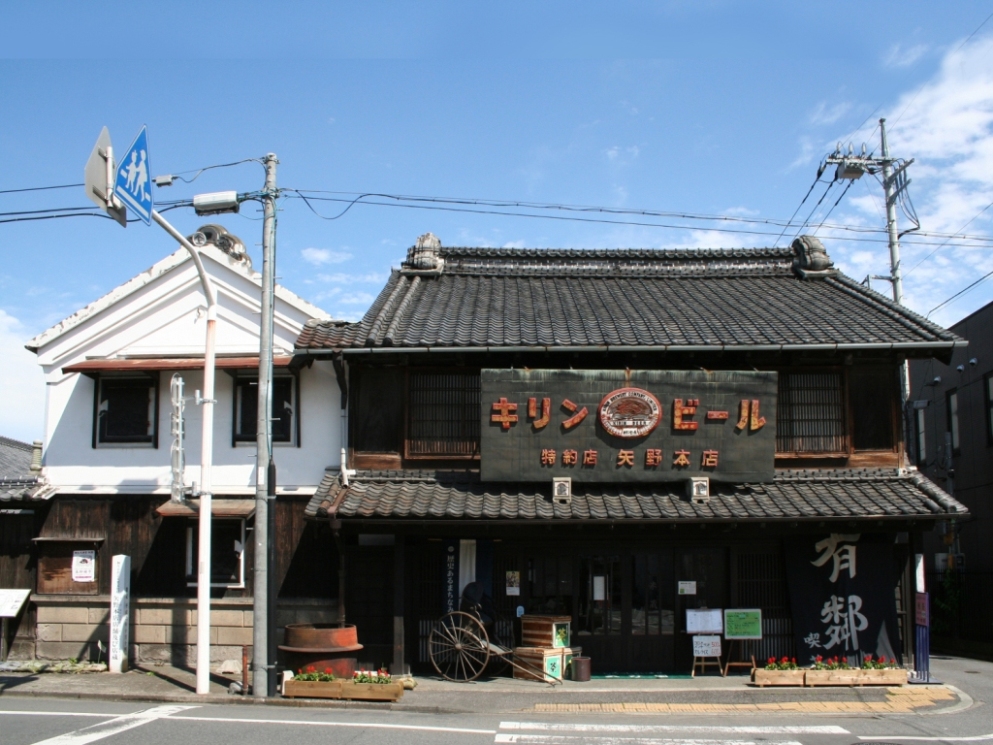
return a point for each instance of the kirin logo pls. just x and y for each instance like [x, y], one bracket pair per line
[630, 412]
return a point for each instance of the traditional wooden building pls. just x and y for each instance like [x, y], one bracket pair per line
[104, 484]
[620, 436]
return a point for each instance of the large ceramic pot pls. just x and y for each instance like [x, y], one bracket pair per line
[324, 646]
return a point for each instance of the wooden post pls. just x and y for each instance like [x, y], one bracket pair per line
[742, 663]
[398, 667]
[3, 641]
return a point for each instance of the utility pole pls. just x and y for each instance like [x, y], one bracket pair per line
[265, 487]
[895, 182]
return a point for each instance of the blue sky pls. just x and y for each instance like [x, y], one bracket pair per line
[713, 108]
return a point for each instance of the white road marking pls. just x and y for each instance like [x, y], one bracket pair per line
[242, 720]
[568, 739]
[974, 738]
[59, 714]
[113, 727]
[828, 729]
[307, 723]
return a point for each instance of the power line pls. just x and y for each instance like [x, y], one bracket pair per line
[961, 292]
[40, 188]
[804, 224]
[802, 201]
[837, 201]
[946, 242]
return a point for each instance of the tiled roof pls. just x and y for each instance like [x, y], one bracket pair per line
[792, 496]
[479, 298]
[17, 482]
[15, 458]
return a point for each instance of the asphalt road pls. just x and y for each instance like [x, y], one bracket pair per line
[33, 721]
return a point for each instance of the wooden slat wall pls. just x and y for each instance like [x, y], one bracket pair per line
[305, 553]
[810, 415]
[761, 583]
[443, 414]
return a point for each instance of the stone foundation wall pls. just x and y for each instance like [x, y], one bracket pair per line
[162, 629]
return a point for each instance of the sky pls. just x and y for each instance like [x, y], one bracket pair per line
[713, 108]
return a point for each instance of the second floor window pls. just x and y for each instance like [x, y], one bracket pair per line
[810, 415]
[952, 402]
[443, 414]
[284, 409]
[126, 411]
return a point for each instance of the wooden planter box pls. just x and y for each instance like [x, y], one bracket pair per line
[539, 663]
[890, 677]
[546, 631]
[762, 677]
[343, 689]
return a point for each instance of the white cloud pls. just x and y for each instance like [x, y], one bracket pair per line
[22, 415]
[357, 298]
[622, 155]
[739, 212]
[946, 124]
[319, 256]
[521, 243]
[343, 278]
[806, 154]
[825, 114]
[900, 56]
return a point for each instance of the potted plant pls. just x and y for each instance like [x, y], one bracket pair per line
[365, 685]
[836, 671]
[781, 672]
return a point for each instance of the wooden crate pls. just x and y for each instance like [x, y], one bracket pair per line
[547, 659]
[343, 689]
[856, 677]
[762, 677]
[546, 631]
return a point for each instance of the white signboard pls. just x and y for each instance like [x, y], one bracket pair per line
[120, 591]
[706, 646]
[84, 566]
[600, 587]
[687, 587]
[706, 621]
[11, 602]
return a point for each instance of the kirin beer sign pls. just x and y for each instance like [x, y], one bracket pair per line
[646, 425]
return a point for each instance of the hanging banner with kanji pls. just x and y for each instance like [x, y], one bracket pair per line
[843, 597]
[622, 426]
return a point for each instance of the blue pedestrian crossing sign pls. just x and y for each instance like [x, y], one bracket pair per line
[132, 184]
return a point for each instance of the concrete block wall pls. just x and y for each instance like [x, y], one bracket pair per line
[162, 629]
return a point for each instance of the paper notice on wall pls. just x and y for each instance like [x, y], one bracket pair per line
[687, 587]
[513, 583]
[84, 566]
[599, 587]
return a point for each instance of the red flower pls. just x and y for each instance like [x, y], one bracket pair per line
[772, 660]
[892, 661]
[327, 671]
[793, 660]
[819, 658]
[869, 657]
[311, 669]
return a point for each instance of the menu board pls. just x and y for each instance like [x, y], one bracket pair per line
[704, 621]
[743, 623]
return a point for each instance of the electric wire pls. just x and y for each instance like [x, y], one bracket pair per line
[942, 245]
[197, 172]
[816, 206]
[802, 201]
[40, 188]
[960, 293]
[836, 202]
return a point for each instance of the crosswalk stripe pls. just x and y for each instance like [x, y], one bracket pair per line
[114, 726]
[827, 729]
[534, 739]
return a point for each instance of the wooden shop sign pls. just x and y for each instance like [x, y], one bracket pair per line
[622, 426]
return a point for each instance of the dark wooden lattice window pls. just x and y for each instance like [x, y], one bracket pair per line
[872, 393]
[443, 414]
[810, 416]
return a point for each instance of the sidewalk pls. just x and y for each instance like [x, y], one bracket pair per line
[704, 695]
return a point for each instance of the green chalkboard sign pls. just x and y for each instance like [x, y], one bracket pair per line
[742, 623]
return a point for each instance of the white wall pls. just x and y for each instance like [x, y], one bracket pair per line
[167, 317]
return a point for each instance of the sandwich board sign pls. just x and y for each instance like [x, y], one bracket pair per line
[132, 183]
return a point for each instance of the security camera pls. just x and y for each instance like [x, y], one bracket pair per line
[973, 362]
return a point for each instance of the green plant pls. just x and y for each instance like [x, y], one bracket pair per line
[877, 663]
[783, 663]
[313, 674]
[380, 677]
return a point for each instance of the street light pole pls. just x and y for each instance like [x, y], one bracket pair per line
[206, 461]
[265, 492]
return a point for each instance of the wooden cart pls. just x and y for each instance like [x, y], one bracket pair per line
[460, 648]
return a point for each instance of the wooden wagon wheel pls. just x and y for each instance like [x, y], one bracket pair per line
[459, 647]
